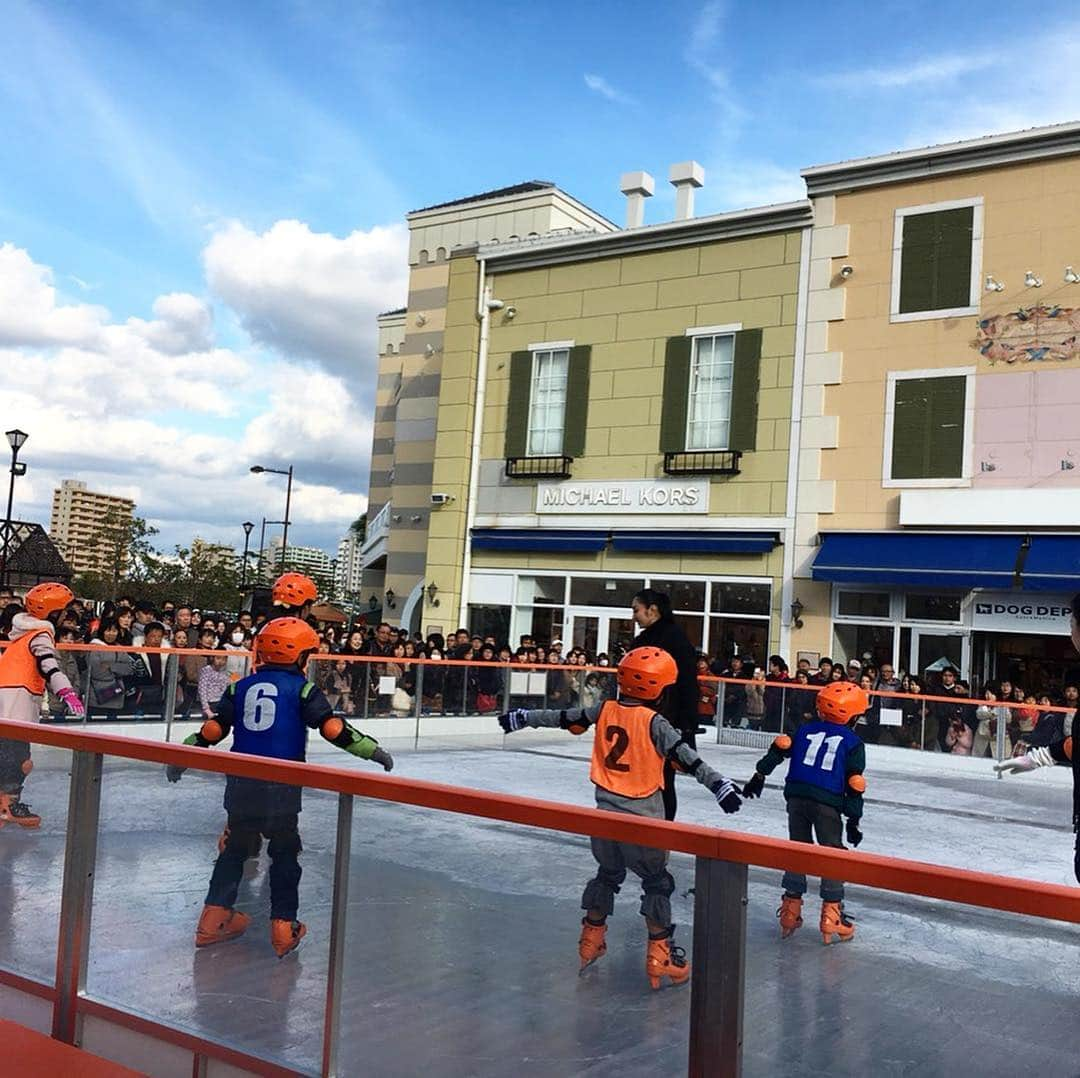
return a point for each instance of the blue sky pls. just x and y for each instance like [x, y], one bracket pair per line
[259, 157]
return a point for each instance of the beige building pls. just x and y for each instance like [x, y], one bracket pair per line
[939, 442]
[78, 522]
[411, 342]
[615, 412]
[215, 554]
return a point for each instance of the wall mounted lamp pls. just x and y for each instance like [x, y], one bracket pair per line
[1071, 276]
[432, 591]
[796, 614]
[993, 285]
[1032, 280]
[390, 598]
[847, 271]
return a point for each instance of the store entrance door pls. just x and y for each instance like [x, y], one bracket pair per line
[597, 630]
[932, 650]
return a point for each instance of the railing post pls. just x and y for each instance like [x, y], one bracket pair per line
[719, 969]
[172, 676]
[1000, 740]
[419, 690]
[86, 684]
[720, 709]
[338, 912]
[77, 891]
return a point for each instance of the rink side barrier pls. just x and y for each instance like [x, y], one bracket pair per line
[721, 881]
[754, 736]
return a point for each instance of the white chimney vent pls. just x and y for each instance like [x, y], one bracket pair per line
[637, 186]
[684, 177]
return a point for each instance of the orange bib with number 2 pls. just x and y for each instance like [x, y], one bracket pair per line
[624, 759]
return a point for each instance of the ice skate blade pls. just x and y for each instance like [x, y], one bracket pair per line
[586, 965]
[827, 938]
[656, 983]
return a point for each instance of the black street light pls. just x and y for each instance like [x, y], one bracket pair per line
[248, 527]
[258, 469]
[16, 439]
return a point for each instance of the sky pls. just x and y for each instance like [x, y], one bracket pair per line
[202, 205]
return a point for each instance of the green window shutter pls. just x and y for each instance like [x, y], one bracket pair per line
[745, 380]
[928, 428]
[577, 401]
[517, 408]
[935, 260]
[676, 395]
[953, 277]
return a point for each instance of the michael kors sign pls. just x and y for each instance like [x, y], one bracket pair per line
[630, 497]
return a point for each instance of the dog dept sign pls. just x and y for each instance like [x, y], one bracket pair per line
[1031, 613]
[632, 497]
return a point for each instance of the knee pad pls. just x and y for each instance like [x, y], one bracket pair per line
[27, 766]
[663, 883]
[656, 894]
[600, 894]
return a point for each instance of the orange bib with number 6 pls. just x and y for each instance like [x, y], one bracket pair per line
[624, 759]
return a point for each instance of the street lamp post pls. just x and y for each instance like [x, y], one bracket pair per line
[248, 526]
[16, 439]
[258, 469]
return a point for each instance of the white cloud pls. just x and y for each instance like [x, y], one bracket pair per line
[598, 84]
[151, 409]
[929, 71]
[310, 294]
[751, 183]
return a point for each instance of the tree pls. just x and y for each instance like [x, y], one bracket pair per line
[124, 552]
[359, 527]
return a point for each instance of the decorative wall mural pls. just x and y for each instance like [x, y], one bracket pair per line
[1030, 335]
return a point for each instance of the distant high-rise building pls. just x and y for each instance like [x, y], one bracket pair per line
[215, 553]
[350, 566]
[303, 559]
[80, 524]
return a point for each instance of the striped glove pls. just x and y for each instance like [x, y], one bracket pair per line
[727, 797]
[1030, 761]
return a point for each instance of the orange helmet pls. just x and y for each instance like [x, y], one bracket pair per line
[842, 701]
[293, 589]
[45, 599]
[284, 641]
[646, 672]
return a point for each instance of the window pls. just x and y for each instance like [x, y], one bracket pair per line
[712, 364]
[937, 255]
[711, 382]
[601, 591]
[862, 604]
[932, 607]
[729, 598]
[928, 428]
[547, 402]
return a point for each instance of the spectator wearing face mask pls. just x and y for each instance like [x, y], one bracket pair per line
[238, 645]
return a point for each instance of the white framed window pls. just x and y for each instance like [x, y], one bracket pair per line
[937, 260]
[929, 428]
[547, 399]
[712, 369]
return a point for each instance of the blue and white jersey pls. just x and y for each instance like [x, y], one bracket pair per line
[819, 753]
[268, 715]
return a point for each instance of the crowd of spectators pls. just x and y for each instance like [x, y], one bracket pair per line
[118, 682]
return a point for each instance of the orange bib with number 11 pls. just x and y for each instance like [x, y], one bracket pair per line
[624, 759]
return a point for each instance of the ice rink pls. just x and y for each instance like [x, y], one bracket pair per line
[461, 956]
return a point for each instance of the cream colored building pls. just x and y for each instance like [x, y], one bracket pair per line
[78, 517]
[411, 342]
[939, 442]
[615, 411]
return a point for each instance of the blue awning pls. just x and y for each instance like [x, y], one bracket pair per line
[556, 540]
[919, 559]
[695, 542]
[1053, 563]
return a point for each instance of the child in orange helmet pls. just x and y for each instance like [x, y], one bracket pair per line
[295, 593]
[28, 666]
[269, 714]
[824, 780]
[632, 742]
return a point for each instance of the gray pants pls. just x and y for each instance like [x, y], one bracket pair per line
[616, 858]
[807, 819]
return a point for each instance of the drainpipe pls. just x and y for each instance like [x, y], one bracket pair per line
[485, 305]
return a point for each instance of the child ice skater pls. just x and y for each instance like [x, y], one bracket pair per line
[824, 781]
[632, 742]
[269, 714]
[28, 666]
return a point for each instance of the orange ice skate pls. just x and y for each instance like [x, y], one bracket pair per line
[664, 959]
[835, 923]
[286, 936]
[591, 946]
[790, 914]
[217, 924]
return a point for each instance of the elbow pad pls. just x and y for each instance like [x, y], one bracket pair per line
[576, 728]
[782, 743]
[678, 764]
[340, 734]
[857, 784]
[1068, 748]
[211, 732]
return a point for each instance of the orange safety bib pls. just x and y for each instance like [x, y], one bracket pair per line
[19, 668]
[624, 759]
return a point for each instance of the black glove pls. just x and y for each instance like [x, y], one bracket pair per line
[727, 796]
[381, 756]
[754, 787]
[174, 773]
[513, 720]
[854, 835]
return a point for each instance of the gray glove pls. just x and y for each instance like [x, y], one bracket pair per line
[381, 756]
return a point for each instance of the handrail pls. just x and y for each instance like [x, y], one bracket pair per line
[1052, 901]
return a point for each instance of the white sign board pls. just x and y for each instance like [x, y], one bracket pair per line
[387, 685]
[523, 683]
[1013, 612]
[634, 496]
[891, 716]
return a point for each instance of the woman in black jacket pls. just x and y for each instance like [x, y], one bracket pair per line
[652, 613]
